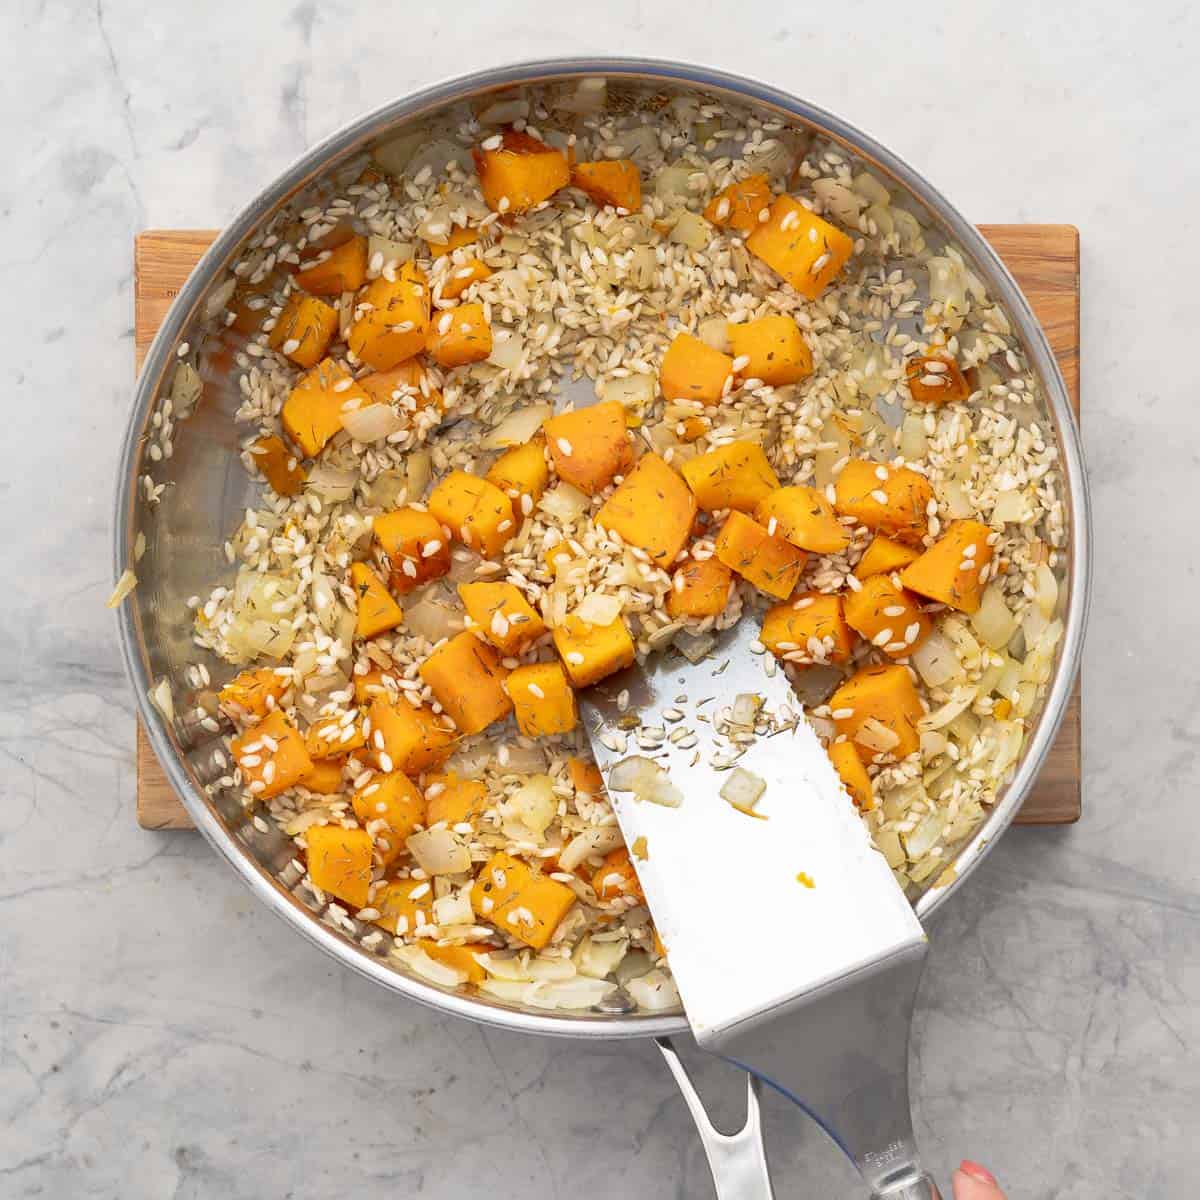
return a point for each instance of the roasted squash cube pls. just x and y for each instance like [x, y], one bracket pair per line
[325, 778]
[339, 862]
[523, 905]
[404, 906]
[519, 472]
[693, 370]
[878, 709]
[414, 547]
[393, 799]
[502, 615]
[452, 800]
[377, 611]
[271, 756]
[459, 335]
[771, 564]
[543, 699]
[853, 774]
[371, 685]
[810, 629]
[936, 378]
[591, 652]
[884, 556]
[253, 693]
[520, 172]
[736, 475]
[460, 235]
[304, 329]
[590, 445]
[477, 512]
[413, 738]
[278, 465]
[739, 205]
[334, 737]
[312, 413]
[616, 877]
[893, 501]
[699, 588]
[409, 386]
[775, 348]
[652, 509]
[804, 517]
[467, 678]
[391, 319]
[462, 275]
[343, 269]
[955, 568]
[798, 245]
[462, 957]
[887, 616]
[610, 181]
[586, 778]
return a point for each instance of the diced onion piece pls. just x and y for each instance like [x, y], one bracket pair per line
[1008, 746]
[947, 284]
[691, 230]
[633, 391]
[875, 735]
[534, 804]
[436, 155]
[932, 744]
[962, 699]
[954, 496]
[598, 959]
[372, 423]
[219, 297]
[646, 779]
[598, 609]
[936, 661]
[589, 95]
[505, 112]
[525, 760]
[867, 186]
[993, 621]
[186, 390]
[888, 842]
[742, 789]
[744, 709]
[418, 469]
[655, 991]
[331, 483]
[924, 837]
[912, 239]
[672, 184]
[1011, 507]
[564, 503]
[576, 993]
[432, 618]
[839, 200]
[596, 841]
[508, 349]
[123, 588]
[439, 851]
[1045, 590]
[714, 332]
[462, 565]
[913, 442]
[552, 969]
[394, 154]
[643, 267]
[387, 250]
[511, 967]
[428, 968]
[694, 646]
[814, 685]
[454, 909]
[160, 695]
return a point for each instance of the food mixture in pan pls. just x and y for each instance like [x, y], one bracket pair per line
[564, 388]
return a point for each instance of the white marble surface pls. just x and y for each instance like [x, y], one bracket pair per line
[162, 1036]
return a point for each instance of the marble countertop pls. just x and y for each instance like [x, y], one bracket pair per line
[160, 1035]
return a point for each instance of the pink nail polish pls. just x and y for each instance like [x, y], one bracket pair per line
[975, 1171]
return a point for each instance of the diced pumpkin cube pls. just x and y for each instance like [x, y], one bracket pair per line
[798, 245]
[936, 379]
[332, 737]
[452, 800]
[278, 465]
[652, 508]
[466, 677]
[344, 269]
[464, 957]
[391, 319]
[409, 385]
[810, 629]
[519, 472]
[887, 616]
[776, 349]
[415, 739]
[699, 588]
[459, 236]
[395, 800]
[543, 699]
[591, 652]
[616, 877]
[460, 335]
[271, 756]
[520, 172]
[371, 685]
[249, 307]
[377, 610]
[312, 413]
[590, 445]
[462, 275]
[693, 370]
[560, 556]
[805, 518]
[853, 774]
[325, 778]
[526, 906]
[414, 546]
[771, 564]
[610, 181]
[304, 329]
[586, 778]
[502, 614]
[738, 206]
[736, 475]
[883, 556]
[339, 862]
[693, 429]
[952, 571]
[878, 710]
[399, 912]
[477, 512]
[890, 500]
[253, 693]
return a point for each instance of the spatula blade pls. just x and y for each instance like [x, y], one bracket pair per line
[755, 913]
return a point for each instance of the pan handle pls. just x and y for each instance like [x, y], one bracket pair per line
[738, 1161]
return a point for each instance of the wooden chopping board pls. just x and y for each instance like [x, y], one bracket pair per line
[1044, 259]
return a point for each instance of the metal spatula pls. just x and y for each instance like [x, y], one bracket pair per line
[796, 953]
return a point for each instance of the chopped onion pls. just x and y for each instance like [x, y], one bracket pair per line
[643, 267]
[469, 764]
[372, 423]
[633, 391]
[504, 965]
[745, 707]
[505, 112]
[839, 200]
[462, 565]
[598, 609]
[646, 779]
[331, 483]
[186, 390]
[160, 696]
[714, 332]
[124, 587]
[888, 842]
[525, 760]
[576, 993]
[508, 349]
[947, 284]
[962, 699]
[742, 789]
[876, 736]
[672, 184]
[913, 442]
[695, 647]
[936, 661]
[454, 909]
[418, 469]
[248, 639]
[439, 851]
[867, 186]
[1008, 746]
[597, 959]
[517, 428]
[587, 96]
[428, 968]
[388, 250]
[932, 744]
[912, 240]
[596, 841]
[993, 620]
[641, 142]
[954, 496]
[814, 685]
[691, 230]
[564, 503]
[324, 601]
[552, 970]
[1011, 508]
[432, 618]
[385, 490]
[394, 154]
[437, 155]
[534, 804]
[219, 297]
[655, 991]
[924, 837]
[1045, 594]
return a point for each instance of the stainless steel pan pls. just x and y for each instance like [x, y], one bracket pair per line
[178, 510]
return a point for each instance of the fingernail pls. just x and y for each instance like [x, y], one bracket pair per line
[975, 1171]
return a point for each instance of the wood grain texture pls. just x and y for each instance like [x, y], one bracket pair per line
[1044, 260]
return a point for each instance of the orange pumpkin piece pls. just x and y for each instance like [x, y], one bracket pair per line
[452, 800]
[377, 611]
[520, 172]
[461, 276]
[771, 564]
[936, 379]
[415, 739]
[652, 509]
[775, 348]
[395, 800]
[333, 737]
[520, 903]
[404, 906]
[460, 335]
[278, 465]
[590, 445]
[853, 774]
[693, 370]
[391, 319]
[954, 569]
[699, 588]
[312, 413]
[879, 707]
[884, 556]
[738, 206]
[271, 756]
[370, 685]
[467, 678]
[339, 862]
[254, 692]
[798, 245]
[459, 236]
[343, 269]
[736, 475]
[464, 957]
[542, 699]
[409, 385]
[325, 778]
[812, 628]
[592, 652]
[616, 877]
[519, 472]
[805, 518]
[887, 616]
[502, 615]
[893, 501]
[477, 512]
[612, 181]
[304, 329]
[414, 546]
